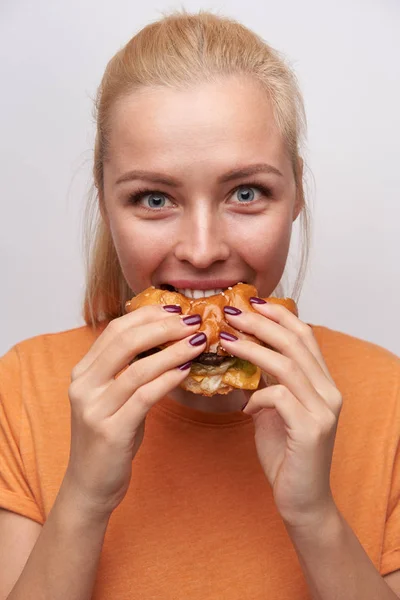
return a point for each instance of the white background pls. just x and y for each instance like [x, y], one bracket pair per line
[346, 55]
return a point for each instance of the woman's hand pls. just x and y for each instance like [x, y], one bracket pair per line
[295, 421]
[108, 412]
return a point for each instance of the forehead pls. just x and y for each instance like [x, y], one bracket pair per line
[211, 123]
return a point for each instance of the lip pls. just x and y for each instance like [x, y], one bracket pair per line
[197, 284]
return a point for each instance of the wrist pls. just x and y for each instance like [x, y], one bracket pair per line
[325, 521]
[80, 508]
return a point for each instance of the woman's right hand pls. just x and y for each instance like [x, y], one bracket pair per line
[108, 414]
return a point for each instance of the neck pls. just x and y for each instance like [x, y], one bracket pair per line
[219, 403]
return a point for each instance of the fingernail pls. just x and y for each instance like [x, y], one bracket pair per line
[231, 310]
[198, 339]
[185, 365]
[256, 300]
[192, 320]
[244, 406]
[172, 308]
[228, 336]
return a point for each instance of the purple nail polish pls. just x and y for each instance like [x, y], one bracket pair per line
[231, 310]
[198, 339]
[256, 300]
[228, 336]
[192, 320]
[185, 366]
[172, 308]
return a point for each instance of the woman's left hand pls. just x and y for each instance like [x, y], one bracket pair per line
[295, 421]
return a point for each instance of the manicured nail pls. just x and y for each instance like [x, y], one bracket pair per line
[256, 300]
[185, 366]
[231, 310]
[172, 308]
[192, 320]
[228, 336]
[244, 406]
[198, 339]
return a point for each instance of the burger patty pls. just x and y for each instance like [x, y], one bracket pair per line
[205, 358]
[210, 358]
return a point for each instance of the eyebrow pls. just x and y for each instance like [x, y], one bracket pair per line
[171, 181]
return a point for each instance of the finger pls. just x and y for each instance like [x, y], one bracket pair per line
[287, 319]
[292, 412]
[286, 371]
[141, 316]
[291, 337]
[132, 401]
[131, 342]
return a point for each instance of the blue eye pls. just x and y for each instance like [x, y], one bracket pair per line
[157, 200]
[245, 197]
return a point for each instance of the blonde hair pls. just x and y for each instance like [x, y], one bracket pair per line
[178, 51]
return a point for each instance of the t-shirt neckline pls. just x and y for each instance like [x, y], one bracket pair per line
[187, 413]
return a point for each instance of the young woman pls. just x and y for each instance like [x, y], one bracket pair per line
[130, 487]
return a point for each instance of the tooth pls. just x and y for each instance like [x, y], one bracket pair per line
[198, 294]
[195, 294]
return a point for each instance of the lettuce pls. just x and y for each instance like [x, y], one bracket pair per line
[245, 365]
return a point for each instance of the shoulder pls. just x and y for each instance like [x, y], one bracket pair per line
[343, 349]
[361, 369]
[36, 372]
[51, 349]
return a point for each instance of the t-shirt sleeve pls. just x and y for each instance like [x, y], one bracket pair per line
[15, 492]
[391, 542]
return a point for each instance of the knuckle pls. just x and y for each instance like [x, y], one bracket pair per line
[336, 400]
[315, 431]
[142, 399]
[87, 418]
[305, 331]
[164, 327]
[134, 371]
[74, 392]
[124, 341]
[93, 424]
[331, 422]
[114, 327]
[287, 368]
[328, 421]
[279, 391]
[76, 371]
[291, 341]
[322, 427]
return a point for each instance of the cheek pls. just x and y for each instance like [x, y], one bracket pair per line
[266, 250]
[139, 250]
[268, 241]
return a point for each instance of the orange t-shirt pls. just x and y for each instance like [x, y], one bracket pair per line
[199, 520]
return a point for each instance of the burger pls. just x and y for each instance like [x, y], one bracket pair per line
[214, 371]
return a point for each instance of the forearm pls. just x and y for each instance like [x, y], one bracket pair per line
[334, 563]
[64, 561]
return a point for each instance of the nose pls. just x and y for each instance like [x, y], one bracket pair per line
[202, 238]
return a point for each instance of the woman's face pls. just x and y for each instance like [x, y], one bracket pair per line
[201, 226]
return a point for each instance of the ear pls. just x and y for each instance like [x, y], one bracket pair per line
[299, 203]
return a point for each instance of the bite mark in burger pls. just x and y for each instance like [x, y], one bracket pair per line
[214, 371]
